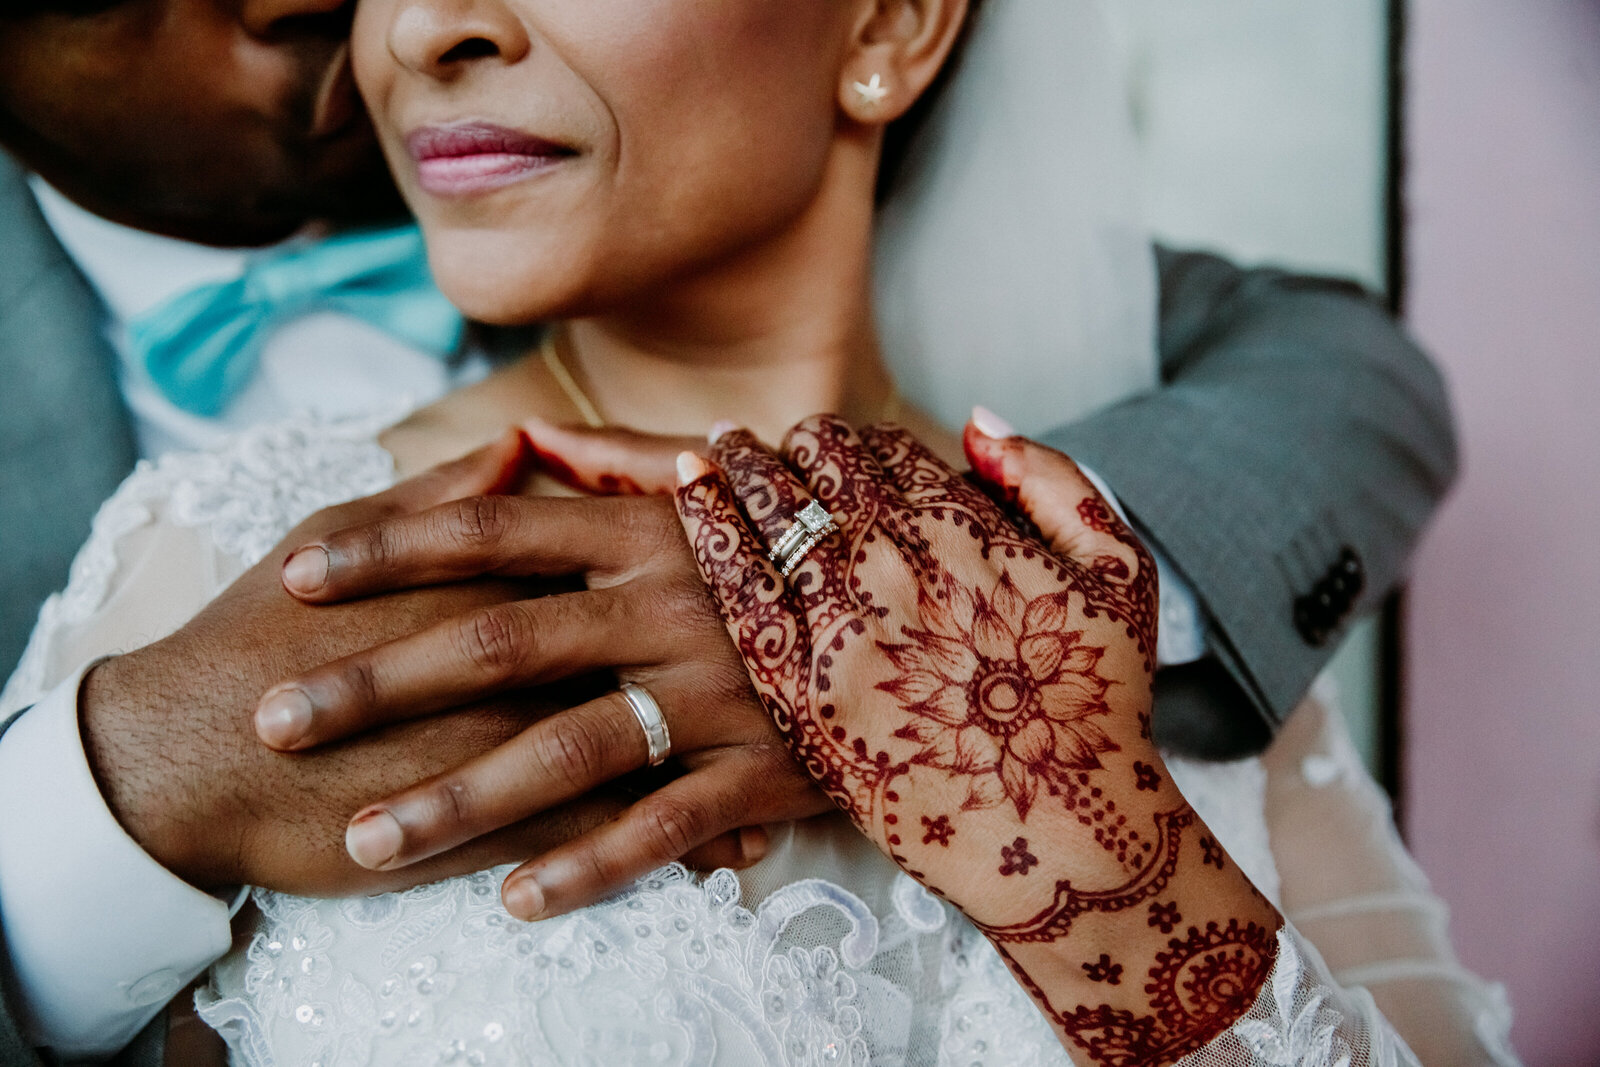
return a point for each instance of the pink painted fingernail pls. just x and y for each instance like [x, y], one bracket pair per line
[690, 467]
[523, 899]
[374, 839]
[284, 718]
[719, 428]
[307, 570]
[991, 425]
[753, 843]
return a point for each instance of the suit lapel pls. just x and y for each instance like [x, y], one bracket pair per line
[65, 437]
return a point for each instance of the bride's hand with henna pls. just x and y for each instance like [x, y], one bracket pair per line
[977, 697]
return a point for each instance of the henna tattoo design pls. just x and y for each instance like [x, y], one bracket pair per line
[1103, 970]
[1053, 922]
[1146, 776]
[1165, 916]
[1198, 987]
[1015, 857]
[603, 484]
[938, 830]
[1010, 691]
[995, 702]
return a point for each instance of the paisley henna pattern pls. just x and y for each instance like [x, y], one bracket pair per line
[978, 702]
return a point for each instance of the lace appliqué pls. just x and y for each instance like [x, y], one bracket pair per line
[674, 971]
[1301, 1019]
[249, 491]
[677, 972]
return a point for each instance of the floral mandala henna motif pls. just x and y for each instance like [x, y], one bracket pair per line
[1198, 987]
[1011, 693]
[1211, 977]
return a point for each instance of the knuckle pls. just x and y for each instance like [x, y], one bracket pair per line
[497, 640]
[449, 803]
[571, 751]
[357, 682]
[672, 827]
[481, 522]
[356, 547]
[649, 524]
[729, 681]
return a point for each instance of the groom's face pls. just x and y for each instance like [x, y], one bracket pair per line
[224, 121]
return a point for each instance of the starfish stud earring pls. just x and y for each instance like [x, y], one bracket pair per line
[873, 92]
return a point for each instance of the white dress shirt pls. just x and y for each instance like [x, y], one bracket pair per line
[99, 936]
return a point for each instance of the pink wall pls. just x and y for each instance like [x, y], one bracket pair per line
[1503, 715]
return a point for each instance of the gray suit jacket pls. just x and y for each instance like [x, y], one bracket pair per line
[1287, 467]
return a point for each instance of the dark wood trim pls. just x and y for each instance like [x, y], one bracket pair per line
[1391, 650]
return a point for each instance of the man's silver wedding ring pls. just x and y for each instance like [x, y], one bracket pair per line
[651, 721]
[810, 525]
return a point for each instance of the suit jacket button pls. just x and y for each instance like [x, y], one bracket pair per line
[1350, 563]
[1310, 620]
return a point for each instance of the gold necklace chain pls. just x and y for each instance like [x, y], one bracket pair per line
[551, 355]
[569, 384]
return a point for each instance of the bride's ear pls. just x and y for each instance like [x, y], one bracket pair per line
[898, 49]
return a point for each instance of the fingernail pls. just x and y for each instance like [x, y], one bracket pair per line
[373, 840]
[523, 899]
[307, 570]
[690, 467]
[284, 718]
[722, 426]
[753, 843]
[991, 425]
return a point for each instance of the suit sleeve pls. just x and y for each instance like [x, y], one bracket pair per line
[1286, 468]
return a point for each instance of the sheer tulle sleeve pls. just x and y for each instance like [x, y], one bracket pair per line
[1349, 887]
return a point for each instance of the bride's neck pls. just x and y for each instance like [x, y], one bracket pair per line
[764, 337]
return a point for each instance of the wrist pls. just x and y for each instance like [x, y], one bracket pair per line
[1183, 956]
[141, 773]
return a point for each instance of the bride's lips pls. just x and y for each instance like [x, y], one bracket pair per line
[471, 157]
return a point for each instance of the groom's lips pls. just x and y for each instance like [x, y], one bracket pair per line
[471, 157]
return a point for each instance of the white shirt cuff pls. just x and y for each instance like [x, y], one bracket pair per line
[1181, 637]
[99, 935]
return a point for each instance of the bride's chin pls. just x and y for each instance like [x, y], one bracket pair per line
[502, 296]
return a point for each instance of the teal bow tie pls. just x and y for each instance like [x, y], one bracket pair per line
[202, 347]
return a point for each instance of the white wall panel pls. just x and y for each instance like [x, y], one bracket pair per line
[1264, 128]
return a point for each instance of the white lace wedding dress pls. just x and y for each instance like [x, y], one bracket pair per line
[821, 954]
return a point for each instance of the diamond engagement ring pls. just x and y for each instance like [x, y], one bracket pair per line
[810, 525]
[651, 721]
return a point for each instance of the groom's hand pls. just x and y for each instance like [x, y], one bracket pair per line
[644, 614]
[168, 729]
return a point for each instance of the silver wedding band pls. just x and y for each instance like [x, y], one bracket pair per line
[651, 721]
[810, 525]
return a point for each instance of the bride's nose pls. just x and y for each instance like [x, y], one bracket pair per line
[444, 38]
